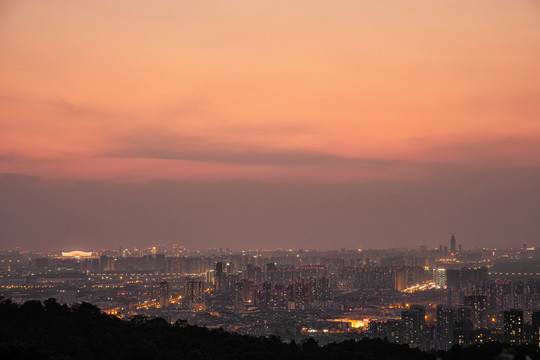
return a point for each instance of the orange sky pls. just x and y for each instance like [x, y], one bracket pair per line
[255, 123]
[318, 91]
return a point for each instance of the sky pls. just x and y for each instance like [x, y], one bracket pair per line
[265, 124]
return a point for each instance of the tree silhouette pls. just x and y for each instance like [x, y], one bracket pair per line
[49, 330]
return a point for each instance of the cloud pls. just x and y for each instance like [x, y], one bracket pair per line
[62, 105]
[268, 129]
[161, 144]
[500, 151]
[482, 150]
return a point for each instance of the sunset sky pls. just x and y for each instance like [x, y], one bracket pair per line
[241, 123]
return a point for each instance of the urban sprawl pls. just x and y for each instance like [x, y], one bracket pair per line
[427, 298]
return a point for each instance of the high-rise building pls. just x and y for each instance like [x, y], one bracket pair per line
[464, 316]
[193, 292]
[393, 330]
[263, 295]
[321, 288]
[518, 293]
[300, 292]
[106, 263]
[439, 277]
[244, 290]
[400, 278]
[254, 273]
[414, 324]
[211, 277]
[478, 304]
[453, 244]
[513, 327]
[535, 333]
[460, 279]
[163, 294]
[219, 277]
[445, 326]
[472, 337]
[160, 263]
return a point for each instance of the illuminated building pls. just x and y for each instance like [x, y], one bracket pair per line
[243, 290]
[163, 294]
[446, 318]
[400, 279]
[218, 275]
[254, 273]
[229, 283]
[193, 292]
[279, 296]
[211, 277]
[439, 277]
[463, 327]
[513, 327]
[518, 294]
[76, 254]
[533, 293]
[312, 270]
[472, 337]
[393, 330]
[321, 288]
[300, 293]
[478, 304]
[262, 296]
[451, 297]
[414, 324]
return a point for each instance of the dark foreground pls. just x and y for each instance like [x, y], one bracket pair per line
[48, 330]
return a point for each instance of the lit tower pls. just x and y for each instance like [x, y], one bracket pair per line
[453, 244]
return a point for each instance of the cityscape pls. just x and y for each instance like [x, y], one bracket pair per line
[428, 298]
[270, 179]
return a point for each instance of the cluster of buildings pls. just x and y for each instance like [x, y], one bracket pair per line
[430, 298]
[458, 325]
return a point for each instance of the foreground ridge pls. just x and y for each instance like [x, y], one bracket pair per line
[50, 330]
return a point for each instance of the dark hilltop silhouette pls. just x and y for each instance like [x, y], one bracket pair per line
[49, 330]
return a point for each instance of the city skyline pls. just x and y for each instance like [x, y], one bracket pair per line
[269, 124]
[70, 251]
[430, 299]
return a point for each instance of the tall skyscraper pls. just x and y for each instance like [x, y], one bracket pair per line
[513, 327]
[453, 244]
[163, 294]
